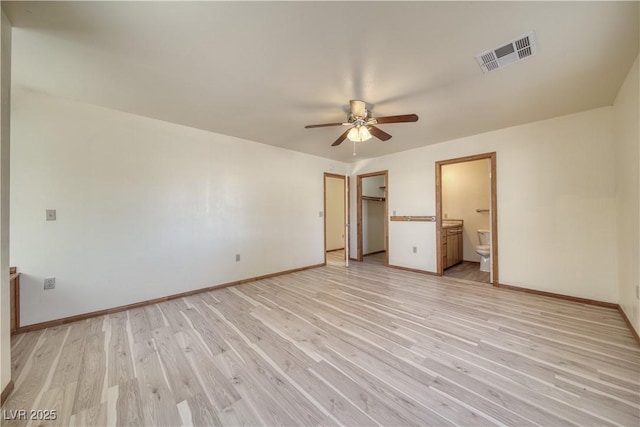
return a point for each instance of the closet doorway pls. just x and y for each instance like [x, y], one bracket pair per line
[467, 218]
[372, 218]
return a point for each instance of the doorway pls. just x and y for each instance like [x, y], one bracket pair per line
[372, 218]
[466, 218]
[336, 214]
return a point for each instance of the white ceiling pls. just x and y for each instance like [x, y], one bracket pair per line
[262, 71]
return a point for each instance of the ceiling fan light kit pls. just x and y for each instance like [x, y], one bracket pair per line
[359, 134]
[362, 124]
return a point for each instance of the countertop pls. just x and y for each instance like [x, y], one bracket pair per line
[451, 223]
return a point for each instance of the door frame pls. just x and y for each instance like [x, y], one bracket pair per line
[345, 178]
[493, 213]
[385, 173]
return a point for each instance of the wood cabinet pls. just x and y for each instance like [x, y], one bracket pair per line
[451, 246]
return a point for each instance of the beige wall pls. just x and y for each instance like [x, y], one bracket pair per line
[371, 186]
[556, 203]
[335, 213]
[627, 139]
[372, 226]
[466, 187]
[147, 208]
[5, 85]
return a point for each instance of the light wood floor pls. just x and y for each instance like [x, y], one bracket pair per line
[468, 271]
[367, 346]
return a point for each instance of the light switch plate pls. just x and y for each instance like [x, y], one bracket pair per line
[51, 214]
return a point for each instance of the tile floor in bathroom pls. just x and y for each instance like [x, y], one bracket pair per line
[469, 271]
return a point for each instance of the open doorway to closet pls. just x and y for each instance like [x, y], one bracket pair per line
[466, 218]
[372, 217]
[336, 214]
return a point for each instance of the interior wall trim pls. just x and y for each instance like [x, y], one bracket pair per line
[373, 253]
[413, 270]
[411, 218]
[629, 324]
[6, 392]
[84, 316]
[548, 294]
[560, 296]
[579, 300]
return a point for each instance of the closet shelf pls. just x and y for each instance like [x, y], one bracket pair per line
[374, 199]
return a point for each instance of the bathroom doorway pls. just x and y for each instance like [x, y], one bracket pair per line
[372, 217]
[466, 218]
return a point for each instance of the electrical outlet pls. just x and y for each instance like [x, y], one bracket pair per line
[49, 283]
[237, 257]
[415, 249]
[51, 214]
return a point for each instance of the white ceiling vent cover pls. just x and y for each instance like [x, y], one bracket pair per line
[514, 51]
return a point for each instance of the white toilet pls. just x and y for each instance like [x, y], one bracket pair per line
[484, 249]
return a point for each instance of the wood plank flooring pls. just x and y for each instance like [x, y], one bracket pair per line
[364, 346]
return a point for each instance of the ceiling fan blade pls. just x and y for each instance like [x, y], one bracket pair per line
[341, 138]
[379, 133]
[397, 119]
[323, 125]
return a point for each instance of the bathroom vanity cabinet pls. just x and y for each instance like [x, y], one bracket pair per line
[451, 245]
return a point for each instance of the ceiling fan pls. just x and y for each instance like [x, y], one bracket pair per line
[361, 124]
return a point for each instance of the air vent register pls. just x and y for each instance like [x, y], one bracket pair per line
[514, 51]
